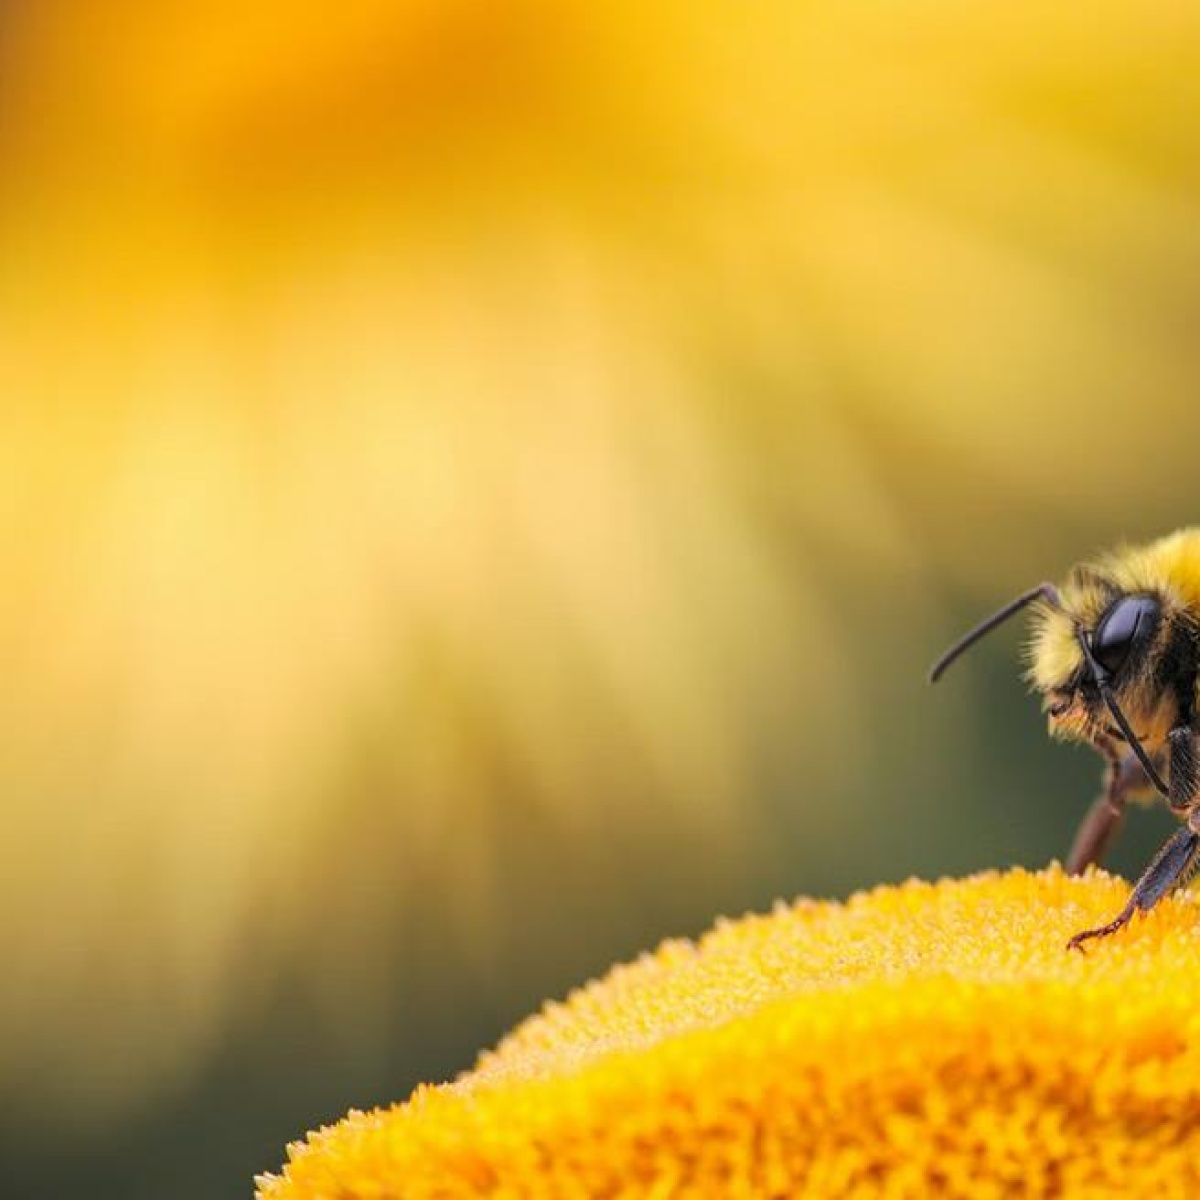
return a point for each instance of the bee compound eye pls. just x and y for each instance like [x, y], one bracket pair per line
[1127, 619]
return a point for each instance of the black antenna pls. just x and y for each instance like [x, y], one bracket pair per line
[1044, 591]
[1100, 677]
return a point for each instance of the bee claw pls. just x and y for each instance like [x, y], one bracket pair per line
[1076, 943]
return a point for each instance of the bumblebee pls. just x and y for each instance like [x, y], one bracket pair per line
[1114, 654]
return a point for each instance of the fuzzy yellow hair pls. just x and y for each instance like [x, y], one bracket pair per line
[1168, 568]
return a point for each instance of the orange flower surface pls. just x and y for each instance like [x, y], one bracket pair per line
[918, 1040]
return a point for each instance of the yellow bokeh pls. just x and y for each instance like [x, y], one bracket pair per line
[412, 408]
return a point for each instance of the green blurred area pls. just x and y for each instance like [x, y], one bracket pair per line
[481, 491]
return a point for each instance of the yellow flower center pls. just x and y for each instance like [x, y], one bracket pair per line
[926, 1039]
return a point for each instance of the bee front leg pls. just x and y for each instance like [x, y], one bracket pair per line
[1167, 869]
[1185, 767]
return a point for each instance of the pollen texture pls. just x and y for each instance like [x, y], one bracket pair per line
[919, 1040]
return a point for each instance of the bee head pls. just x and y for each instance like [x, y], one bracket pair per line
[1098, 663]
[1100, 658]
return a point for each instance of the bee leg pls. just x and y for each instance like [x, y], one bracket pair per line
[1185, 767]
[1168, 868]
[1125, 776]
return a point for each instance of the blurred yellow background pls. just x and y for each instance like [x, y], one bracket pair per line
[480, 484]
